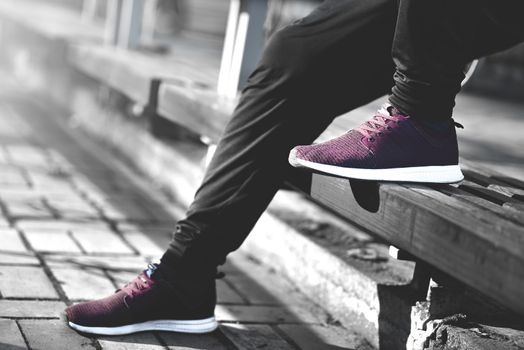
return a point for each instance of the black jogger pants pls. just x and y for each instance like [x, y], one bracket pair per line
[346, 53]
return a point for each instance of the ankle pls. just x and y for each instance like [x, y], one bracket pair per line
[435, 125]
[429, 122]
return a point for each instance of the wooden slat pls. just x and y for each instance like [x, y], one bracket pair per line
[485, 193]
[199, 110]
[492, 181]
[133, 73]
[474, 171]
[484, 198]
[470, 243]
[510, 181]
[108, 66]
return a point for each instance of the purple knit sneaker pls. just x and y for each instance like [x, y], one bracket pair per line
[148, 304]
[388, 147]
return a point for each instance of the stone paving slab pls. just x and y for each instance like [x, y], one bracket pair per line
[64, 225]
[120, 278]
[176, 341]
[83, 284]
[105, 262]
[263, 314]
[53, 334]
[11, 241]
[30, 208]
[143, 244]
[12, 176]
[72, 208]
[52, 241]
[15, 258]
[250, 282]
[254, 337]
[91, 240]
[3, 222]
[25, 282]
[60, 192]
[11, 338]
[140, 341]
[122, 208]
[31, 308]
[227, 295]
[313, 337]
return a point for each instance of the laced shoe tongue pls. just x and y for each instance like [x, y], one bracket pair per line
[140, 282]
[392, 110]
[380, 120]
[151, 269]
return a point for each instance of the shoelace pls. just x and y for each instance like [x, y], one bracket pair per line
[136, 286]
[140, 282]
[373, 126]
[379, 120]
[457, 125]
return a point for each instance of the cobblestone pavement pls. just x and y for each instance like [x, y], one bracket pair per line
[75, 224]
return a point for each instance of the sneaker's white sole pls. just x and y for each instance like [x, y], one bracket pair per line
[431, 174]
[182, 326]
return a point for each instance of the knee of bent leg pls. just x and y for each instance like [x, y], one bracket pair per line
[286, 53]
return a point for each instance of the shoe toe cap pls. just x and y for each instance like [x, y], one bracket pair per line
[102, 312]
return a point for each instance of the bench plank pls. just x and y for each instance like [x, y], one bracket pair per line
[468, 242]
[485, 198]
[199, 110]
[133, 73]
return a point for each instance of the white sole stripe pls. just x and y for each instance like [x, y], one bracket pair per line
[432, 174]
[183, 326]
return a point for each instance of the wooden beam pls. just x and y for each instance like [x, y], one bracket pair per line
[468, 242]
[201, 111]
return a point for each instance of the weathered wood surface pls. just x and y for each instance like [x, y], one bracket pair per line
[134, 72]
[200, 110]
[467, 239]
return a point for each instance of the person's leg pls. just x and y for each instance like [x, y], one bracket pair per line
[414, 140]
[336, 59]
[435, 39]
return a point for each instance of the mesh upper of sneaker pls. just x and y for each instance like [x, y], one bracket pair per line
[145, 299]
[386, 141]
